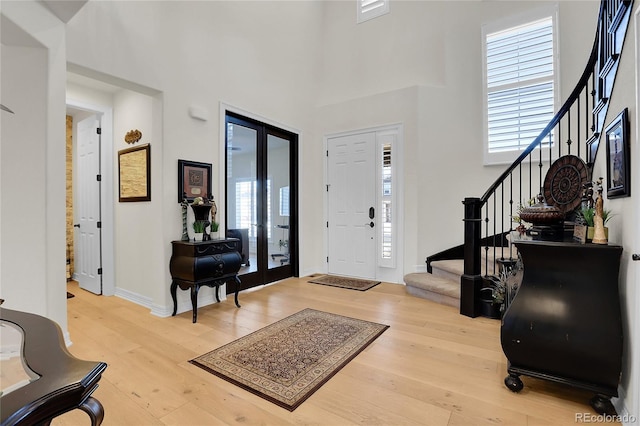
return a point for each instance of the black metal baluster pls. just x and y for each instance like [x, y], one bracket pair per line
[494, 238]
[486, 246]
[510, 211]
[569, 132]
[559, 138]
[578, 114]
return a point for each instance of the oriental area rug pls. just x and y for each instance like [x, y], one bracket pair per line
[345, 282]
[289, 360]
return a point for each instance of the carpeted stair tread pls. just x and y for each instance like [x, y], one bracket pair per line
[453, 269]
[437, 289]
[448, 269]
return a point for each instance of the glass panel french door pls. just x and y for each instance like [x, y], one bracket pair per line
[260, 199]
[278, 188]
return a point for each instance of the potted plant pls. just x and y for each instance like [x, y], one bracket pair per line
[492, 298]
[587, 214]
[214, 229]
[198, 229]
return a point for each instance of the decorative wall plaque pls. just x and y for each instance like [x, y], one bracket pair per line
[133, 136]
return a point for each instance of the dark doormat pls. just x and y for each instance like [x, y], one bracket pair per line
[345, 282]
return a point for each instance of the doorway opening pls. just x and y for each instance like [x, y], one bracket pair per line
[261, 177]
[90, 208]
[84, 236]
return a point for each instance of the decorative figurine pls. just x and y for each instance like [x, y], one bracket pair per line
[587, 195]
[599, 236]
[184, 204]
[214, 225]
[214, 208]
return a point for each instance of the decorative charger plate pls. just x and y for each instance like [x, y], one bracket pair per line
[564, 182]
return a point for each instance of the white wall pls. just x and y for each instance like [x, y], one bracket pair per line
[626, 213]
[421, 65]
[219, 52]
[32, 276]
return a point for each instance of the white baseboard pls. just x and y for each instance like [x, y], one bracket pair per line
[206, 297]
[134, 297]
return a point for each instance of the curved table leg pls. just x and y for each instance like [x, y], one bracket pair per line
[218, 293]
[237, 281]
[174, 286]
[94, 409]
[194, 301]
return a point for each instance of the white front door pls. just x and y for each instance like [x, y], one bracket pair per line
[352, 214]
[87, 206]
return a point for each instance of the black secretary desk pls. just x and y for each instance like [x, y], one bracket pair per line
[565, 323]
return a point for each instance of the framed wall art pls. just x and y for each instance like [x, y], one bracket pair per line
[618, 157]
[134, 171]
[194, 180]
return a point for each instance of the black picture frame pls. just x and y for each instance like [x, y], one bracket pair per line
[618, 157]
[194, 180]
[134, 174]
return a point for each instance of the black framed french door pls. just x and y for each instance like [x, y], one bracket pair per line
[261, 198]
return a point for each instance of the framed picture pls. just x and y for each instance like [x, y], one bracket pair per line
[618, 157]
[134, 171]
[194, 180]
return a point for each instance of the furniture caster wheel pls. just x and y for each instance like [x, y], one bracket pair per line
[513, 383]
[603, 405]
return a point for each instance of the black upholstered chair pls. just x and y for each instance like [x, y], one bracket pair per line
[243, 236]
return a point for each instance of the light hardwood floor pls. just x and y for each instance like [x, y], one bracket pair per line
[431, 367]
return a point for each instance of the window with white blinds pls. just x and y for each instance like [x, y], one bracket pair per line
[369, 9]
[520, 83]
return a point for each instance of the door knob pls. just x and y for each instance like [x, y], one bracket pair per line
[635, 256]
[370, 224]
[76, 225]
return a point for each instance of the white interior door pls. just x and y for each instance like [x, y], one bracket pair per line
[351, 203]
[87, 205]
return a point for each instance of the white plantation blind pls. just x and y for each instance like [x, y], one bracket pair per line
[369, 9]
[520, 84]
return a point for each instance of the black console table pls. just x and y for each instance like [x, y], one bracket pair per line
[47, 381]
[210, 263]
[565, 323]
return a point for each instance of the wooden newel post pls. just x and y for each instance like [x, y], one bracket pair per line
[471, 280]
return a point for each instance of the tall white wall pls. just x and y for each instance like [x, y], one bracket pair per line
[422, 65]
[195, 54]
[626, 211]
[32, 257]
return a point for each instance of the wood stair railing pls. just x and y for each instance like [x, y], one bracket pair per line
[574, 130]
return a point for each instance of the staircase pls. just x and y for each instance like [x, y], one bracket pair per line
[457, 275]
[441, 284]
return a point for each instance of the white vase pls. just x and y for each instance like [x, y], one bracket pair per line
[198, 236]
